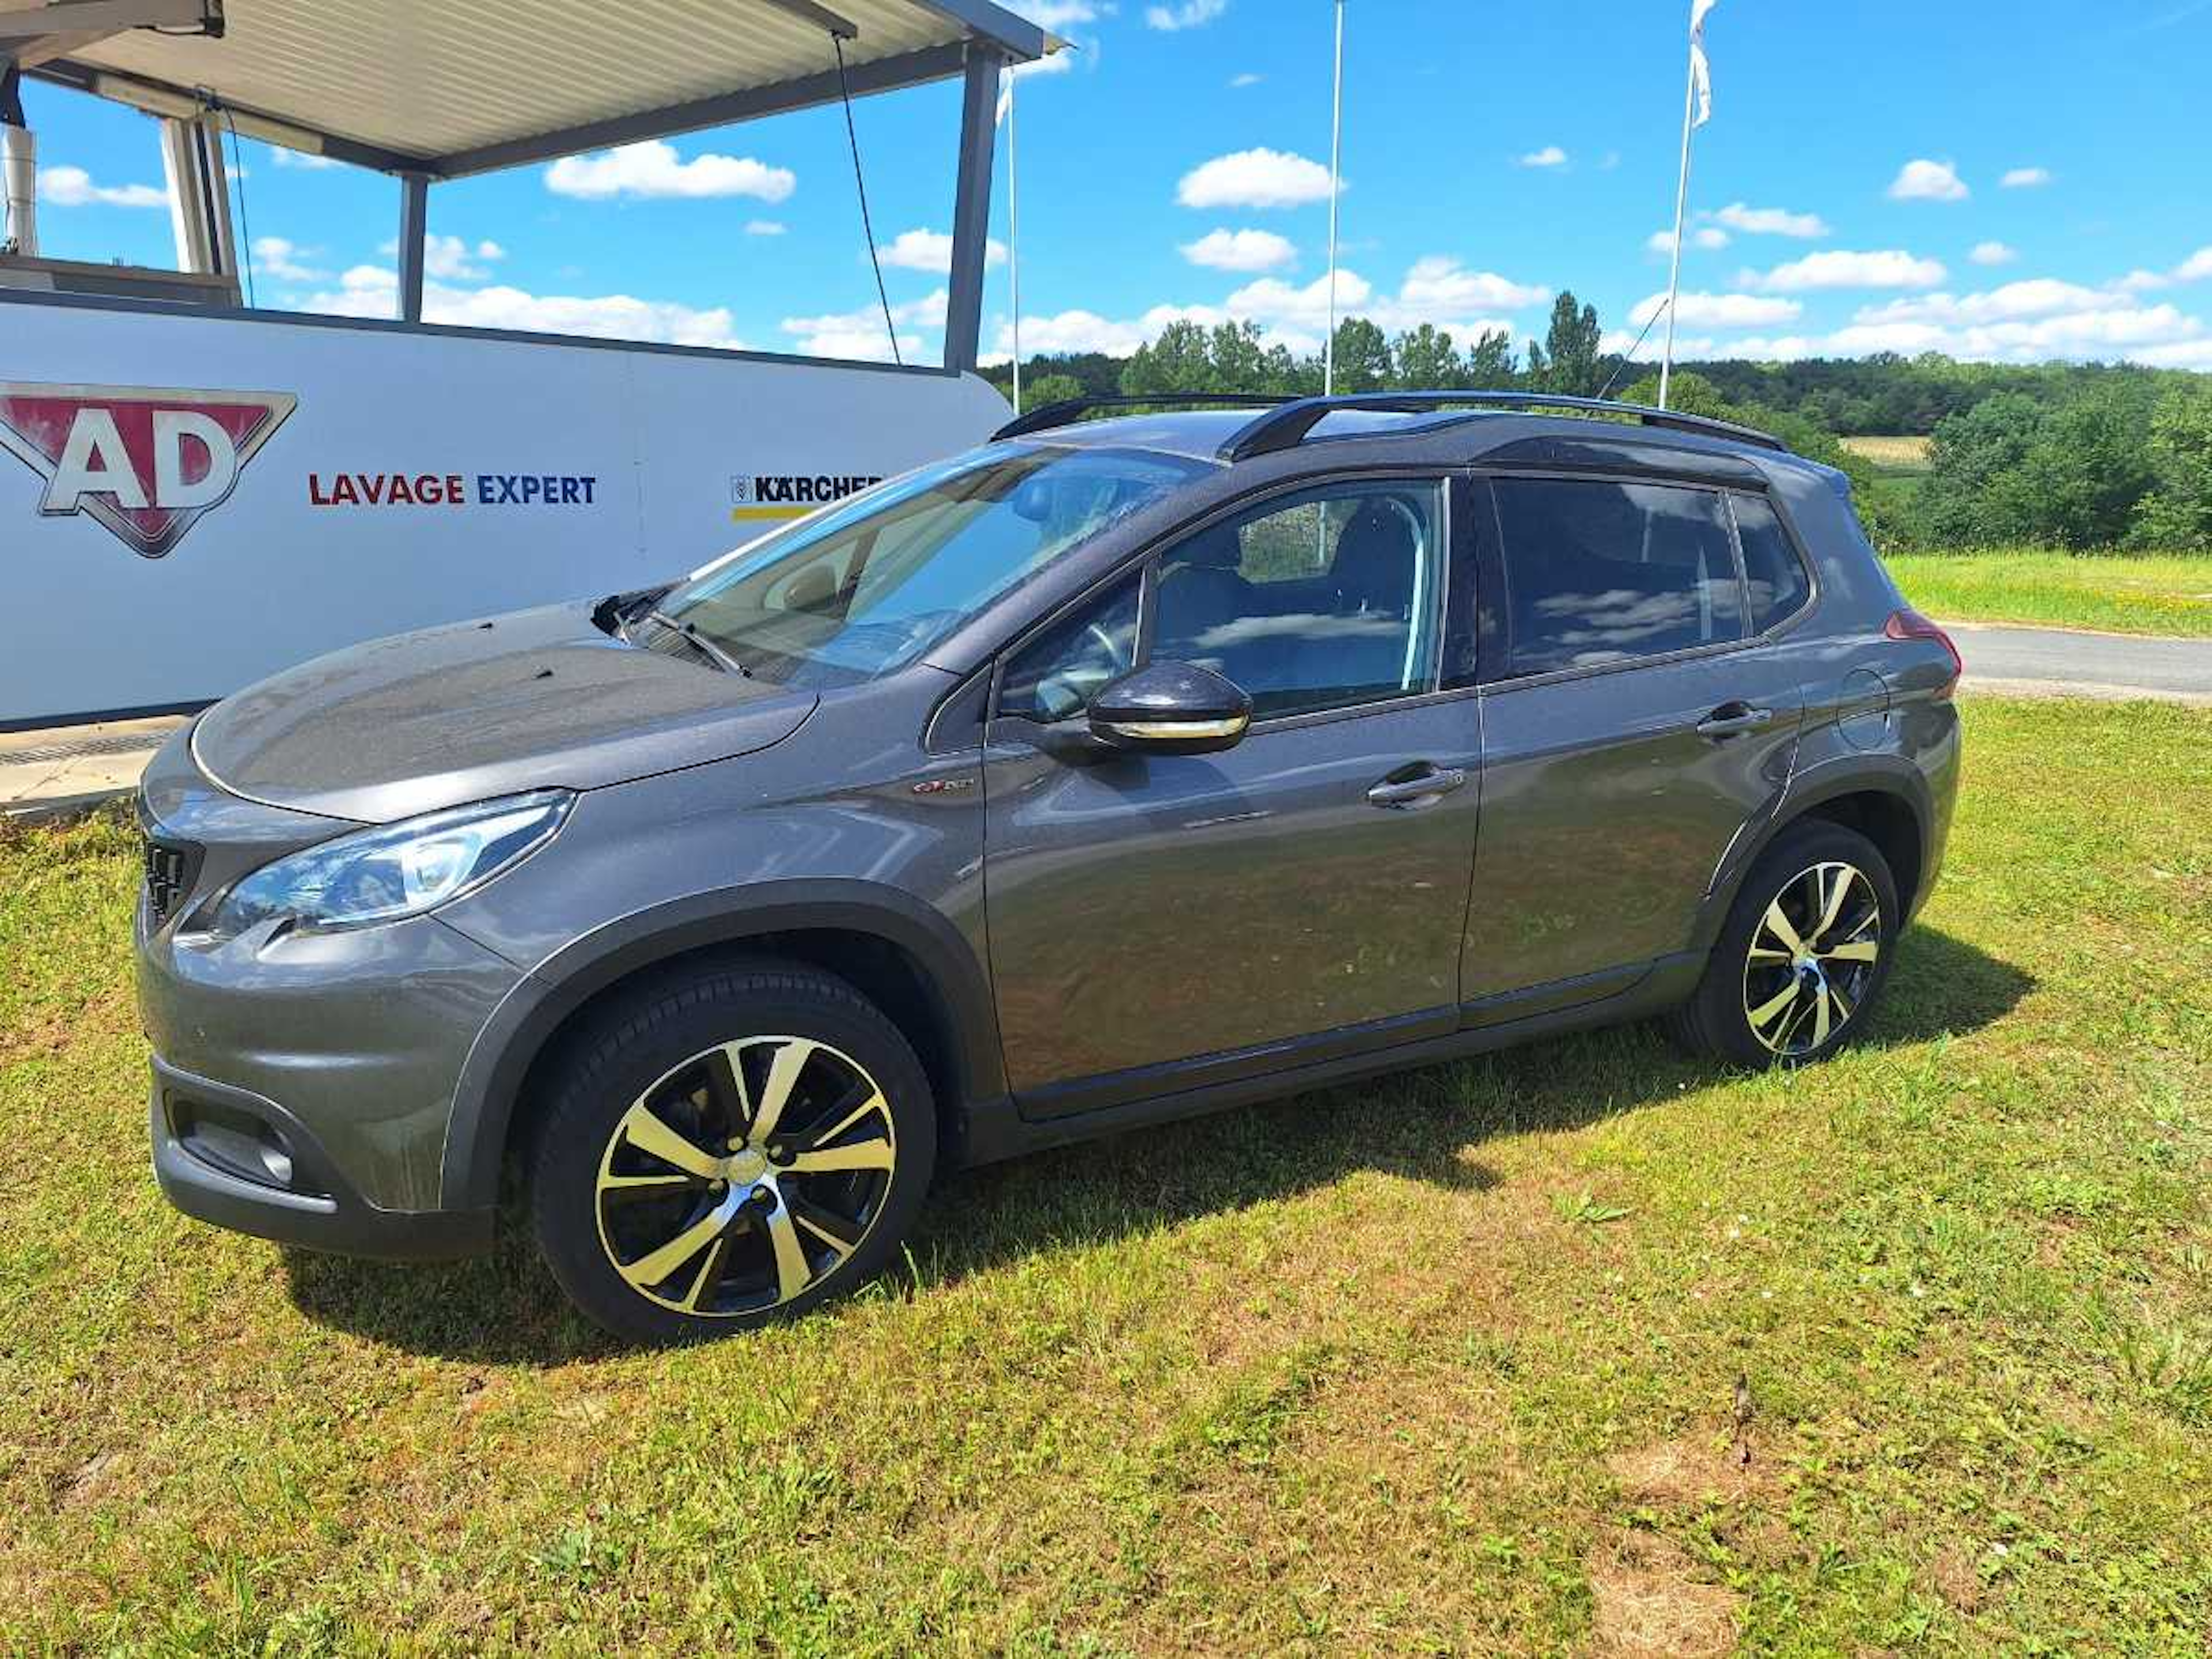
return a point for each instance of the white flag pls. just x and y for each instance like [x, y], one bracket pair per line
[1701, 75]
[1006, 92]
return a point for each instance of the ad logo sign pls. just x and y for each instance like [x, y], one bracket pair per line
[146, 462]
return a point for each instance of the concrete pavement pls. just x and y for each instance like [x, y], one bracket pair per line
[63, 769]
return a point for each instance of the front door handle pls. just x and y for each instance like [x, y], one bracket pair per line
[1731, 718]
[1416, 787]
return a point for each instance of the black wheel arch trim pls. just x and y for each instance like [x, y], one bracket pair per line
[1812, 787]
[489, 1087]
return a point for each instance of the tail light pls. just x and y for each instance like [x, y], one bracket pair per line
[1910, 624]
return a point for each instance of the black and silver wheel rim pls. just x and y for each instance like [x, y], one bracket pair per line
[1811, 959]
[744, 1176]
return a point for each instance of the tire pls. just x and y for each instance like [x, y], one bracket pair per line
[1802, 996]
[665, 1207]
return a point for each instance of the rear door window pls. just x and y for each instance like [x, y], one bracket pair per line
[1603, 571]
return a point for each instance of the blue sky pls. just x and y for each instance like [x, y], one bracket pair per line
[2014, 180]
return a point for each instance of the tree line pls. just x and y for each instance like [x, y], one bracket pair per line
[2081, 456]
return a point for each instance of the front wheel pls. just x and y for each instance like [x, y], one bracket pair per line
[730, 1149]
[1803, 955]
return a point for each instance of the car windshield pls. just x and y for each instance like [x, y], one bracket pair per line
[868, 586]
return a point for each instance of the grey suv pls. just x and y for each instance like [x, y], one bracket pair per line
[1119, 771]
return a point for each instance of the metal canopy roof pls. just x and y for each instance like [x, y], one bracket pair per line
[446, 88]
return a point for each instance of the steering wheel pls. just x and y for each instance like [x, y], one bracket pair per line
[1109, 644]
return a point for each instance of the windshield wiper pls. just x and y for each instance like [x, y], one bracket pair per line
[706, 648]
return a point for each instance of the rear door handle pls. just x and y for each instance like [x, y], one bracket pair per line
[1731, 718]
[1426, 784]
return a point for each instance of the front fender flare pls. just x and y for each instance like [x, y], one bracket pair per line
[490, 1086]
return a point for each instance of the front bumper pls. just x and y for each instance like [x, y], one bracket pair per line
[347, 1046]
[219, 1153]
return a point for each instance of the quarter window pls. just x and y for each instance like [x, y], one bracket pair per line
[1773, 575]
[1602, 571]
[1327, 599]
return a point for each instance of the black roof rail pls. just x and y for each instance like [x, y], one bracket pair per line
[1063, 413]
[1286, 426]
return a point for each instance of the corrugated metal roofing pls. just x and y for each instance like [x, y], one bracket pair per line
[440, 79]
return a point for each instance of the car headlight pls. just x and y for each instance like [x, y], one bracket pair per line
[396, 870]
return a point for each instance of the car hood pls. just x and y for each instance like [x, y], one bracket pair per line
[539, 699]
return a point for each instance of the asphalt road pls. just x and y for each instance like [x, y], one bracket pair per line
[2060, 662]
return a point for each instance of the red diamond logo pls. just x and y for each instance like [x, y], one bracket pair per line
[145, 461]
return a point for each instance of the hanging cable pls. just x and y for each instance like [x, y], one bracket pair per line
[245, 247]
[1620, 367]
[860, 185]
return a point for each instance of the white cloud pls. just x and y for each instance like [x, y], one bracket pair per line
[1240, 250]
[73, 187]
[1189, 14]
[1437, 290]
[653, 169]
[861, 334]
[931, 251]
[764, 227]
[1835, 268]
[1247, 79]
[1254, 178]
[1771, 221]
[2187, 353]
[1928, 181]
[1994, 253]
[1058, 16]
[374, 290]
[450, 259]
[1718, 311]
[2195, 268]
[286, 261]
[1550, 157]
[2024, 178]
[306, 159]
[2038, 296]
[1705, 236]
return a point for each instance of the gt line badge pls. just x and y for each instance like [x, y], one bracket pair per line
[144, 461]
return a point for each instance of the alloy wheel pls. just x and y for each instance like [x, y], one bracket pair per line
[1811, 959]
[742, 1177]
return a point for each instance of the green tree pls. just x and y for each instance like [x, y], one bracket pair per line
[1363, 357]
[1490, 365]
[2013, 469]
[1039, 390]
[1180, 360]
[2178, 512]
[1568, 360]
[1426, 360]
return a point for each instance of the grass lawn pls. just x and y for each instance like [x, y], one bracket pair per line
[1445, 1363]
[2125, 594]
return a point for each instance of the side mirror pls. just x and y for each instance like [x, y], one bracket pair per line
[1171, 709]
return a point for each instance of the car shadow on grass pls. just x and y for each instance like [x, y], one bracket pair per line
[1427, 1125]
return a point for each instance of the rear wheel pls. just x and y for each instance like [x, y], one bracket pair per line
[731, 1149]
[1803, 955]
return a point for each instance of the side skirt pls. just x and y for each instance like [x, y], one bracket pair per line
[995, 1129]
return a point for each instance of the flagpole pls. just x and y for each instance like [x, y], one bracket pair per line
[1682, 202]
[1335, 189]
[1014, 235]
